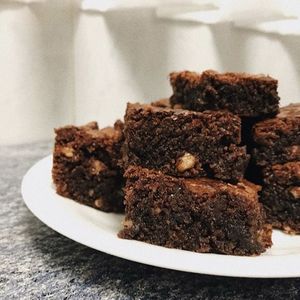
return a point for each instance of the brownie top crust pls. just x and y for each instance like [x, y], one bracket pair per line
[208, 186]
[203, 185]
[89, 138]
[290, 111]
[285, 128]
[110, 134]
[194, 79]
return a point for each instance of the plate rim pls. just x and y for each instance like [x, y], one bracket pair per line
[284, 268]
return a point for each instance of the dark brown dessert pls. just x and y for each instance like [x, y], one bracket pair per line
[281, 196]
[243, 94]
[85, 165]
[184, 143]
[278, 139]
[201, 215]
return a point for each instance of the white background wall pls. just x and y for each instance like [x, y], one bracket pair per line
[36, 63]
[60, 65]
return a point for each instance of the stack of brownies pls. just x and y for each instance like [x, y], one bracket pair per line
[184, 160]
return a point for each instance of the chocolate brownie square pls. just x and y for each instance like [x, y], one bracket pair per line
[85, 165]
[278, 139]
[243, 94]
[184, 143]
[201, 215]
[281, 196]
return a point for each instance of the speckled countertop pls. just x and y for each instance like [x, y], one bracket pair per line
[36, 262]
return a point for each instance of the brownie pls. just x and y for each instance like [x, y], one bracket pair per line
[201, 215]
[85, 165]
[243, 94]
[184, 143]
[278, 139]
[281, 196]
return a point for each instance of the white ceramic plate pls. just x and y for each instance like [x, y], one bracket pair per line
[99, 230]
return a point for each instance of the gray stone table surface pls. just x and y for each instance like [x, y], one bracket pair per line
[36, 262]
